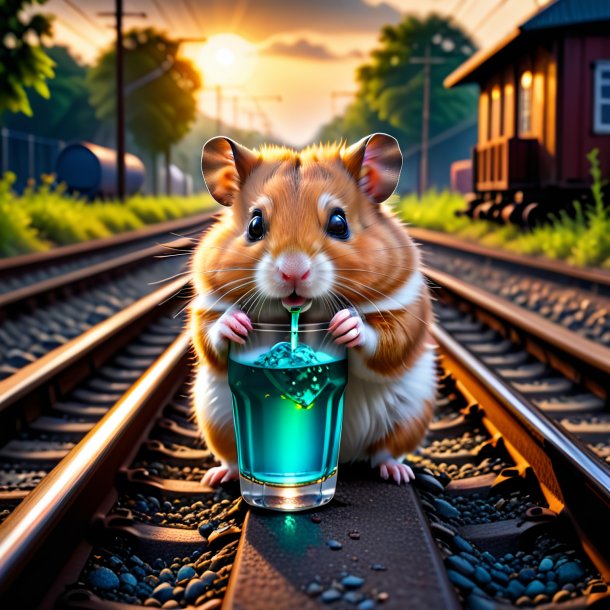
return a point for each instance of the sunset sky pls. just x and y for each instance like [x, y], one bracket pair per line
[299, 50]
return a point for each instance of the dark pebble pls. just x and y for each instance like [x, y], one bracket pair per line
[515, 588]
[163, 592]
[460, 564]
[128, 579]
[534, 588]
[316, 519]
[524, 600]
[383, 596]
[561, 596]
[151, 602]
[460, 581]
[445, 509]
[428, 483]
[475, 602]
[569, 572]
[205, 529]
[499, 577]
[366, 604]
[208, 577]
[313, 588]
[354, 535]
[352, 582]
[378, 567]
[193, 590]
[184, 573]
[330, 595]
[353, 597]
[545, 565]
[481, 575]
[103, 578]
[335, 545]
[526, 575]
[461, 544]
[166, 575]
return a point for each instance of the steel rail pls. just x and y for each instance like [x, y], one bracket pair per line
[559, 338]
[56, 362]
[28, 527]
[27, 262]
[16, 299]
[544, 429]
[558, 269]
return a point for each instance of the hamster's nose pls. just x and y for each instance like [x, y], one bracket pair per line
[294, 267]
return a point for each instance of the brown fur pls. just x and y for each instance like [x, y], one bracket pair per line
[377, 259]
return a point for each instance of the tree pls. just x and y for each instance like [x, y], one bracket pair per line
[23, 62]
[67, 114]
[160, 91]
[391, 85]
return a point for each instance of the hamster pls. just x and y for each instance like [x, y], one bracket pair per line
[310, 228]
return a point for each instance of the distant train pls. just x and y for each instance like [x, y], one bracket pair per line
[90, 169]
[544, 104]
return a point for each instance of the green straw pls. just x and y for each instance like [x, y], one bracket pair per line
[294, 327]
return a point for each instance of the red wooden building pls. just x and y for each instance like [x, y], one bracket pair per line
[544, 104]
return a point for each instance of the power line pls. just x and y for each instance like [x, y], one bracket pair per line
[163, 14]
[76, 32]
[488, 14]
[84, 15]
[193, 13]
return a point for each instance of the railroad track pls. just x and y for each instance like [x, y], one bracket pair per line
[507, 509]
[38, 317]
[18, 272]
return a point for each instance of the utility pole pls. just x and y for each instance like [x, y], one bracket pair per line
[120, 94]
[427, 62]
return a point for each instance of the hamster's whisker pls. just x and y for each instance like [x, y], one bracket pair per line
[352, 289]
[171, 277]
[260, 308]
[224, 249]
[172, 255]
[386, 296]
[252, 298]
[229, 269]
[342, 300]
[228, 284]
[357, 250]
[228, 292]
[375, 272]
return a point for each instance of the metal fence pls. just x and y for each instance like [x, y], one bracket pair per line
[27, 156]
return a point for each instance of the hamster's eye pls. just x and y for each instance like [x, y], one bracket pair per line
[337, 225]
[256, 226]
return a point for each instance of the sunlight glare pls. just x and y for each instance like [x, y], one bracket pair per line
[226, 59]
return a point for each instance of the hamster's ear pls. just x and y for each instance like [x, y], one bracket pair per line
[225, 165]
[375, 163]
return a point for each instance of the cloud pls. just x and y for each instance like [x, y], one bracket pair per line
[260, 19]
[304, 49]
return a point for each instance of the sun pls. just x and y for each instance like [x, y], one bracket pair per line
[226, 59]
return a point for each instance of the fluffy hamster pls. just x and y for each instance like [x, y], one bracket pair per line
[309, 228]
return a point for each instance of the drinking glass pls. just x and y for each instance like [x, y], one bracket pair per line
[287, 411]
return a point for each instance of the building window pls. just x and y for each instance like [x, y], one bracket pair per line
[525, 103]
[496, 113]
[601, 98]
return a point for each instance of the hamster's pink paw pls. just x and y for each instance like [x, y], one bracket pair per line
[400, 472]
[347, 328]
[234, 326]
[220, 474]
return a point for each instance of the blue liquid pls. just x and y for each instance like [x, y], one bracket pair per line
[288, 420]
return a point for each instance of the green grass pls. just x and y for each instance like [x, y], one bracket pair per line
[582, 241]
[43, 218]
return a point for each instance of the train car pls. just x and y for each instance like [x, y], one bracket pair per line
[91, 170]
[544, 104]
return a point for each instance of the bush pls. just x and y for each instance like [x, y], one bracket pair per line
[580, 240]
[46, 217]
